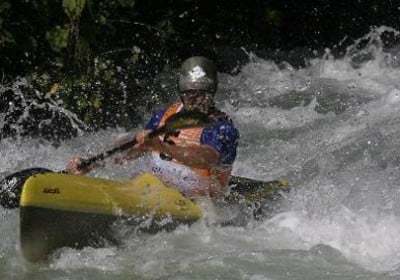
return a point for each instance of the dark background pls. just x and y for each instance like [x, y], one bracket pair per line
[106, 63]
[178, 29]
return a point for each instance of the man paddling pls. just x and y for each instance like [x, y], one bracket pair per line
[198, 160]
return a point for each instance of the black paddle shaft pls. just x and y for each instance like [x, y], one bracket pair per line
[179, 120]
[84, 164]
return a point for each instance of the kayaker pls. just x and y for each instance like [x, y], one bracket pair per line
[196, 161]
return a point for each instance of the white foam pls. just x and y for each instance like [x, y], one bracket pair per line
[331, 128]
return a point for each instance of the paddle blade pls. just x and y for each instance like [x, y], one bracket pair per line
[11, 186]
[182, 120]
[186, 119]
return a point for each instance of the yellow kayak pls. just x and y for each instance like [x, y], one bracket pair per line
[58, 210]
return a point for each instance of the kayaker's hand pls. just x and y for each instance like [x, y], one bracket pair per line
[142, 138]
[72, 167]
[153, 144]
[146, 144]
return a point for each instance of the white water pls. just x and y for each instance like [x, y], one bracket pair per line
[331, 128]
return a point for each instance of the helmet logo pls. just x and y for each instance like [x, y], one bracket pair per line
[196, 73]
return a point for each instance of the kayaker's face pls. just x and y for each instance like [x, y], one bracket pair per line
[197, 100]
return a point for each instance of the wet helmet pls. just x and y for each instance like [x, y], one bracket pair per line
[198, 73]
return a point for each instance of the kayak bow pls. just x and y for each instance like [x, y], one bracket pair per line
[60, 210]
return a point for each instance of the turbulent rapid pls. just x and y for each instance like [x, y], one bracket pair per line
[330, 128]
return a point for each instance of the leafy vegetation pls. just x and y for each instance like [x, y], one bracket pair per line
[98, 58]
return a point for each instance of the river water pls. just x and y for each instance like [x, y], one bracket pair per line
[331, 128]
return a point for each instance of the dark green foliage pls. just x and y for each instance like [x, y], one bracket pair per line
[73, 50]
[99, 57]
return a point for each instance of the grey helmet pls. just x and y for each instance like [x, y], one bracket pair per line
[198, 73]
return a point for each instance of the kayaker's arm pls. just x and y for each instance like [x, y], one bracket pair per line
[202, 156]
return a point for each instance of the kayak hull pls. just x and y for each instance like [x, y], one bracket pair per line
[44, 230]
[58, 210]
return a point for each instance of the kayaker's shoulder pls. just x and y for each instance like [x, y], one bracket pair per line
[222, 125]
[155, 119]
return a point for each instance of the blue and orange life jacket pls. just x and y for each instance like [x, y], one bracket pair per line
[211, 181]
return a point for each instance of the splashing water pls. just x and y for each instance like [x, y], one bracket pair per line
[331, 129]
[27, 112]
